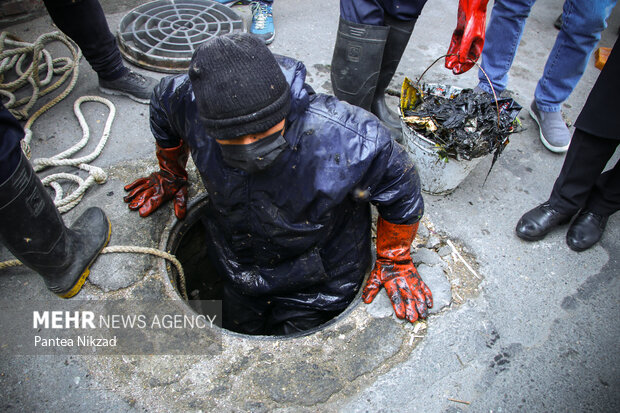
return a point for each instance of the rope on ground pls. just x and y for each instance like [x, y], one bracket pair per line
[10, 263]
[96, 174]
[13, 54]
[182, 287]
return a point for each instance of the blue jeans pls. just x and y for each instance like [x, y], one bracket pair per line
[582, 24]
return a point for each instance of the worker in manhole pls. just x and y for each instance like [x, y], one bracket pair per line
[31, 226]
[290, 175]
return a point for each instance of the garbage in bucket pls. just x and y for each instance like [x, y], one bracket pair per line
[437, 177]
[449, 130]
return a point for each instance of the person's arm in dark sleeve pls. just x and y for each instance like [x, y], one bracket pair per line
[160, 117]
[394, 185]
[170, 182]
[394, 188]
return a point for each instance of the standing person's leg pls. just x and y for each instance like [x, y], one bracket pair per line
[11, 133]
[358, 51]
[585, 160]
[605, 196]
[582, 24]
[31, 226]
[603, 199]
[85, 23]
[372, 37]
[262, 20]
[502, 39]
[400, 17]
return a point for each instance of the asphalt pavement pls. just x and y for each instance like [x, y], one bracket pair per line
[539, 333]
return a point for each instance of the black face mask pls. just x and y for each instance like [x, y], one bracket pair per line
[255, 156]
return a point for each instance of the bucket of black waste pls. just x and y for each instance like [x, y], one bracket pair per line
[449, 130]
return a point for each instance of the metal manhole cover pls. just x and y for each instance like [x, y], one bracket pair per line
[162, 35]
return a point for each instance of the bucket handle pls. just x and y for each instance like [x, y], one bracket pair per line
[483, 72]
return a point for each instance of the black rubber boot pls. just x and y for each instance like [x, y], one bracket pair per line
[32, 229]
[395, 46]
[356, 62]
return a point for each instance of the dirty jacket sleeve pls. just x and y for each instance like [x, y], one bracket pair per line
[164, 112]
[392, 182]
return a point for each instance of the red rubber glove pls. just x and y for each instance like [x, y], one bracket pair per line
[147, 194]
[468, 37]
[394, 270]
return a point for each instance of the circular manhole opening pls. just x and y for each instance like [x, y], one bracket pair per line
[188, 241]
[162, 35]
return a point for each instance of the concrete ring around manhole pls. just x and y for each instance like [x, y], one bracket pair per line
[186, 239]
[162, 35]
[260, 373]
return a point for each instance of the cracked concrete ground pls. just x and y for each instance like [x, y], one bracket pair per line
[534, 329]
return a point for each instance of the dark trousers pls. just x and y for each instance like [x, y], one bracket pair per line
[581, 185]
[11, 133]
[84, 22]
[268, 315]
[373, 12]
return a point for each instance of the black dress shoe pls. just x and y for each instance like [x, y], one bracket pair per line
[537, 223]
[586, 230]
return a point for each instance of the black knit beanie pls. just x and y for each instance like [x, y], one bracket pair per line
[238, 85]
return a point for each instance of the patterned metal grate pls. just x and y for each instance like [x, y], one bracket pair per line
[163, 34]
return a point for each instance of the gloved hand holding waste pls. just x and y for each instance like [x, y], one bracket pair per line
[148, 193]
[468, 37]
[394, 270]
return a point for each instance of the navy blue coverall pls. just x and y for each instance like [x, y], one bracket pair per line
[292, 242]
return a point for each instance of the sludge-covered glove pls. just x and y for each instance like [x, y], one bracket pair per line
[394, 270]
[147, 194]
[468, 37]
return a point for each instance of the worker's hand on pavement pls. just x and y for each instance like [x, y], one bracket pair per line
[468, 37]
[394, 270]
[147, 194]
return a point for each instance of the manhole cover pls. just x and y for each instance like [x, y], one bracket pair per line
[162, 35]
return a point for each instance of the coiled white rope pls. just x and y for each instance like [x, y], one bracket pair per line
[14, 58]
[13, 54]
[96, 174]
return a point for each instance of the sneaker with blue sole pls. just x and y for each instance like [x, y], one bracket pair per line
[554, 133]
[262, 21]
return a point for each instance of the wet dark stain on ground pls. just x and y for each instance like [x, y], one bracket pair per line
[492, 339]
[500, 362]
[592, 285]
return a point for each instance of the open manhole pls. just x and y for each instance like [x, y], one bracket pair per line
[188, 241]
[162, 35]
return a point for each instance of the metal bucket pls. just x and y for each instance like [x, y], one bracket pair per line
[437, 176]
